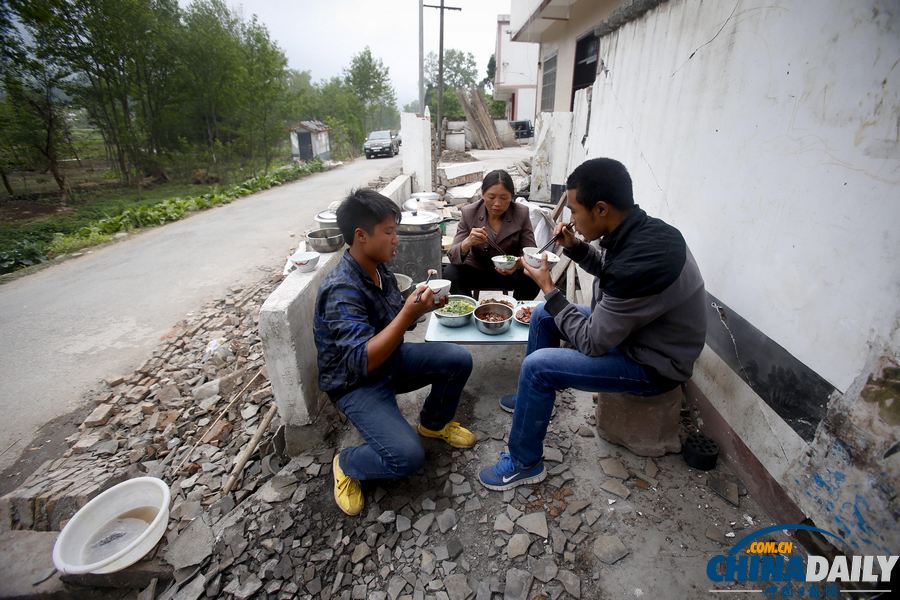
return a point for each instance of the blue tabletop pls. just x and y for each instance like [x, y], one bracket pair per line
[468, 334]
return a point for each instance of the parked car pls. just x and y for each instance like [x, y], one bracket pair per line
[523, 129]
[396, 135]
[381, 143]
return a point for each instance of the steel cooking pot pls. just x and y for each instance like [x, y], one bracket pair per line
[419, 221]
[423, 201]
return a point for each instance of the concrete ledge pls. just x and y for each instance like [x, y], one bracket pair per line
[286, 330]
[399, 189]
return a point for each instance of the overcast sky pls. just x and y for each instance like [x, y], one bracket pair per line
[321, 36]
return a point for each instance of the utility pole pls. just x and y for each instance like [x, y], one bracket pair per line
[421, 62]
[440, 85]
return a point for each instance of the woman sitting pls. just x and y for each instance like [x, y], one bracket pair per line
[495, 220]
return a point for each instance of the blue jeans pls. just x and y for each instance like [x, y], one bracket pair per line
[548, 368]
[393, 449]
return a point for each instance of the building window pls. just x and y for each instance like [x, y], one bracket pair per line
[587, 49]
[548, 84]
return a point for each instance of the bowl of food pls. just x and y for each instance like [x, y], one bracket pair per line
[523, 312]
[504, 261]
[439, 287]
[325, 240]
[457, 312]
[492, 318]
[534, 258]
[497, 298]
[404, 282]
[305, 261]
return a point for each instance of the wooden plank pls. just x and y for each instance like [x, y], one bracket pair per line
[570, 282]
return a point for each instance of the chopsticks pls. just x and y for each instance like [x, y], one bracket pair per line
[494, 244]
[569, 226]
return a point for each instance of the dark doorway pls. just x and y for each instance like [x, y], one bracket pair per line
[587, 49]
[304, 141]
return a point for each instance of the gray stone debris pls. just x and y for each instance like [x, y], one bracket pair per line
[192, 546]
[360, 552]
[535, 523]
[518, 584]
[518, 545]
[724, 487]
[457, 587]
[423, 524]
[386, 517]
[403, 524]
[446, 520]
[614, 486]
[614, 468]
[502, 523]
[553, 454]
[609, 549]
[544, 570]
[570, 581]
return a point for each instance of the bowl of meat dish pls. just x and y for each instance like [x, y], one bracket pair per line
[457, 312]
[493, 318]
[499, 299]
[523, 312]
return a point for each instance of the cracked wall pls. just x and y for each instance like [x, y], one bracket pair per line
[769, 134]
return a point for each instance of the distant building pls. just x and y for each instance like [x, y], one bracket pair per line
[516, 74]
[309, 140]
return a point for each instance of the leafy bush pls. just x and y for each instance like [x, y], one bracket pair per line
[33, 250]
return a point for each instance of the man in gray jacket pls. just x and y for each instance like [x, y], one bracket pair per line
[641, 335]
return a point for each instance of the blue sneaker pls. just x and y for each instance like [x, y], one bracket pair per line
[505, 475]
[508, 403]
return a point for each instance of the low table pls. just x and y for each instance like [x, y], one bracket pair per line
[469, 334]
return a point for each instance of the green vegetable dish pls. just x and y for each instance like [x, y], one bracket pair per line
[509, 258]
[457, 308]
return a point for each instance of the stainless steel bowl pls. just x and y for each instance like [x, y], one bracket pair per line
[455, 320]
[325, 240]
[404, 282]
[490, 327]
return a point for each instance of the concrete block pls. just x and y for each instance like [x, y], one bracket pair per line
[286, 330]
[399, 189]
[416, 154]
[646, 425]
[137, 576]
[25, 557]
[459, 173]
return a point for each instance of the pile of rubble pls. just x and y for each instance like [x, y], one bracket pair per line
[148, 422]
[455, 156]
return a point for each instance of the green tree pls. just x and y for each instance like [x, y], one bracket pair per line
[370, 80]
[488, 81]
[460, 70]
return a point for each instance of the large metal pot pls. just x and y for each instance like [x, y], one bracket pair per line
[423, 201]
[326, 219]
[420, 221]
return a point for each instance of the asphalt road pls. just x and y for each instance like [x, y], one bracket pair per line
[65, 328]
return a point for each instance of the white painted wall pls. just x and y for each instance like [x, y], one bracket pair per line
[416, 155]
[516, 61]
[526, 101]
[776, 151]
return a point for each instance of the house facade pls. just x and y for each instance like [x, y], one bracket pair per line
[768, 135]
[516, 73]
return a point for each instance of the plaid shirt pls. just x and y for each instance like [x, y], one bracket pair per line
[351, 310]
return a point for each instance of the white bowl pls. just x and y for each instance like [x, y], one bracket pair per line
[504, 261]
[115, 529]
[439, 287]
[305, 261]
[534, 260]
[404, 282]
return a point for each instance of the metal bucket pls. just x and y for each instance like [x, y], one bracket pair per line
[416, 253]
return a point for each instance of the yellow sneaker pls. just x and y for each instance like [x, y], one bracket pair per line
[453, 433]
[347, 491]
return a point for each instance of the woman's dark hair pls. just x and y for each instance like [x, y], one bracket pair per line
[499, 176]
[601, 179]
[364, 209]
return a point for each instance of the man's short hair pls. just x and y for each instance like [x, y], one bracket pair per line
[601, 179]
[365, 209]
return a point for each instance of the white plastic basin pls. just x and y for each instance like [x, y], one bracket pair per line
[115, 529]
